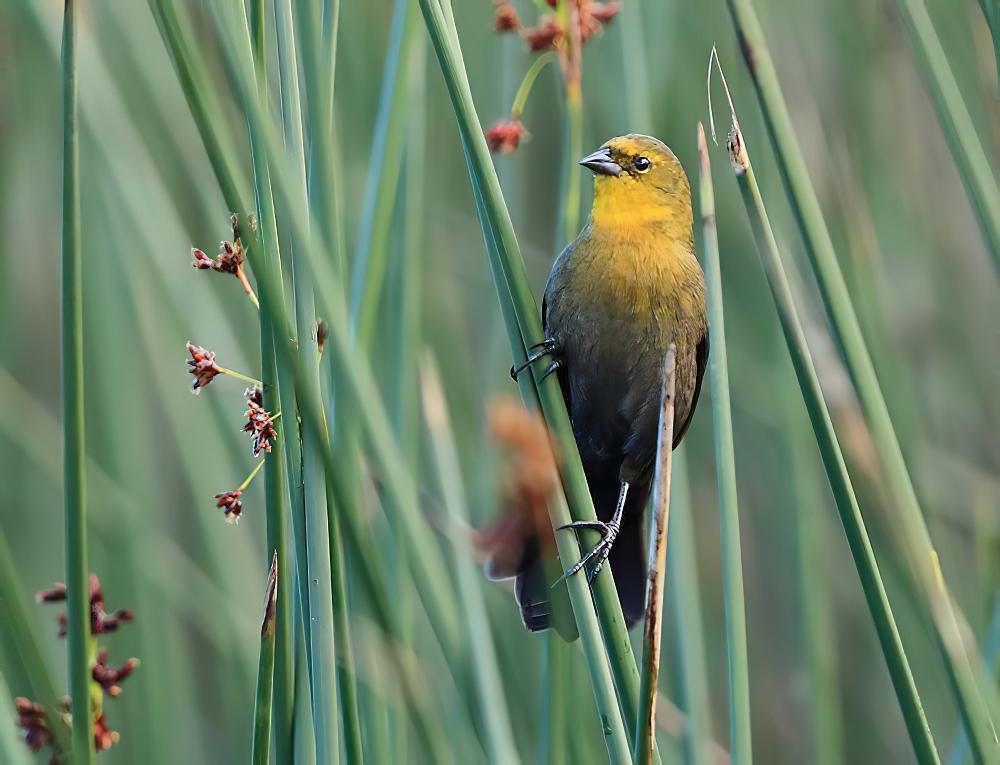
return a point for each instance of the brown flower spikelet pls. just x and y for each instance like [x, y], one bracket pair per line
[545, 36]
[505, 136]
[260, 425]
[32, 721]
[533, 476]
[202, 366]
[505, 18]
[231, 505]
[110, 678]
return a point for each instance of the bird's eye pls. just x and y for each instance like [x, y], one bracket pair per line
[642, 164]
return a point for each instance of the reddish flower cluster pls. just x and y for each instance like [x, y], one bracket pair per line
[544, 36]
[201, 261]
[532, 478]
[505, 136]
[586, 19]
[100, 620]
[33, 723]
[32, 717]
[202, 366]
[104, 737]
[548, 34]
[259, 423]
[505, 17]
[110, 678]
[232, 255]
[229, 501]
[593, 17]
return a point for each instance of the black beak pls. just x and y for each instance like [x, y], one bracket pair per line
[601, 163]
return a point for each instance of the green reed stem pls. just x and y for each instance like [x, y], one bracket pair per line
[265, 670]
[347, 686]
[524, 328]
[635, 73]
[956, 123]
[319, 73]
[811, 558]
[208, 118]
[322, 180]
[991, 11]
[399, 492]
[740, 745]
[282, 682]
[528, 82]
[79, 643]
[961, 748]
[847, 329]
[360, 387]
[570, 186]
[833, 459]
[22, 636]
[371, 254]
[684, 602]
[326, 718]
[552, 727]
[492, 701]
[645, 729]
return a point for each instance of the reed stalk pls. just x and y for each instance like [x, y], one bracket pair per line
[961, 748]
[81, 651]
[371, 253]
[24, 640]
[325, 707]
[686, 617]
[740, 745]
[282, 682]
[833, 459]
[985, 196]
[322, 180]
[521, 313]
[492, 701]
[991, 12]
[359, 386]
[956, 123]
[819, 632]
[645, 730]
[265, 670]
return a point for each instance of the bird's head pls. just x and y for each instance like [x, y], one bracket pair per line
[637, 179]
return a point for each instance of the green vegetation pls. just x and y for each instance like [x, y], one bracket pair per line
[848, 611]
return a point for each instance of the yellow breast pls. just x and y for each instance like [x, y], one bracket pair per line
[640, 273]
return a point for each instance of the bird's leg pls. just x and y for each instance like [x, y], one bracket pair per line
[536, 352]
[609, 532]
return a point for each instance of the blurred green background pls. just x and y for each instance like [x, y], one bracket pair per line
[916, 266]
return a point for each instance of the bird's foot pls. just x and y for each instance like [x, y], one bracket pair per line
[600, 552]
[536, 352]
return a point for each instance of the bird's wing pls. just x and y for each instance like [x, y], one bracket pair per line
[701, 360]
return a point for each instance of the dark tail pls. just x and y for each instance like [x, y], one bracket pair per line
[544, 607]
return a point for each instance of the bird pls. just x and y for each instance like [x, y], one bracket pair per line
[617, 297]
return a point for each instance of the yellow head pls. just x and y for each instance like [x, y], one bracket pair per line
[639, 181]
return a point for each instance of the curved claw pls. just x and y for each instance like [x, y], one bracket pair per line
[578, 566]
[597, 525]
[609, 532]
[601, 550]
[556, 363]
[535, 352]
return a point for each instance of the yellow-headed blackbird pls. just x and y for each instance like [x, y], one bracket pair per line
[617, 297]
